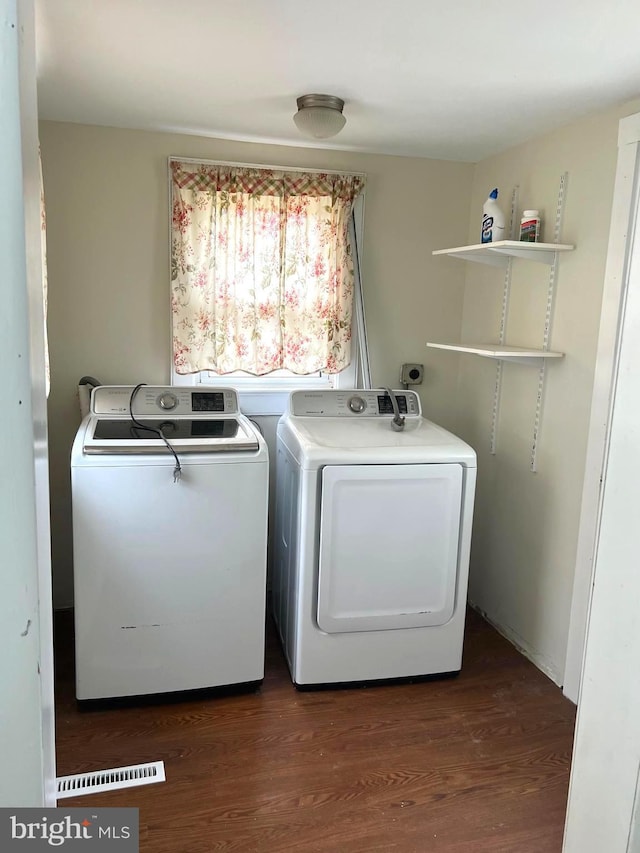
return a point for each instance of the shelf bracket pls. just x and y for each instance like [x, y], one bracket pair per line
[548, 321]
[506, 293]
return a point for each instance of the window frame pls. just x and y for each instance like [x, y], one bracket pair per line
[265, 395]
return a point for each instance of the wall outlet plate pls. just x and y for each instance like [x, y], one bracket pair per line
[412, 374]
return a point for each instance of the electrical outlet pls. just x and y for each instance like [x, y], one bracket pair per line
[412, 374]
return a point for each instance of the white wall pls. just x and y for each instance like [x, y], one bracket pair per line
[26, 736]
[526, 524]
[107, 230]
[108, 258]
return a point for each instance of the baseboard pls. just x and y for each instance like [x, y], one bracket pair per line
[539, 660]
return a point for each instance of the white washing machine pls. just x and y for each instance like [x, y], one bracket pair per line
[373, 532]
[169, 571]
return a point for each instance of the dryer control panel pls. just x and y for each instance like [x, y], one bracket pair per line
[150, 400]
[353, 404]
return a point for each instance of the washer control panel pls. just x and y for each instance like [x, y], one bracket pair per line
[167, 401]
[357, 404]
[353, 404]
[152, 400]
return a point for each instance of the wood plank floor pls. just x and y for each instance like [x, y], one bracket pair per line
[476, 763]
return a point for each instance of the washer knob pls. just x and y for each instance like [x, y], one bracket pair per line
[167, 401]
[357, 405]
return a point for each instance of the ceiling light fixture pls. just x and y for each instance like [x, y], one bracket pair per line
[319, 116]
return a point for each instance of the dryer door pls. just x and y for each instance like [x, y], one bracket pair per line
[388, 546]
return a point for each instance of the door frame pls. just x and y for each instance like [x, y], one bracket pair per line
[603, 811]
[28, 773]
[615, 282]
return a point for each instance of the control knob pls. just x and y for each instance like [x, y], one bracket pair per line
[167, 401]
[357, 405]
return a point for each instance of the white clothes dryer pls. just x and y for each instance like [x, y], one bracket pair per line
[169, 573]
[373, 533]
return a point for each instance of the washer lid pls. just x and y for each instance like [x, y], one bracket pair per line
[186, 435]
[315, 442]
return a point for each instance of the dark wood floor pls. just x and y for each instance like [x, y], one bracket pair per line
[476, 763]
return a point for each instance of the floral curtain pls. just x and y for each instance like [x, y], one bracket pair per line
[261, 269]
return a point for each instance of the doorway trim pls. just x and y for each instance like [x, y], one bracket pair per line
[602, 809]
[616, 273]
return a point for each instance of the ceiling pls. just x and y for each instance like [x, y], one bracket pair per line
[458, 80]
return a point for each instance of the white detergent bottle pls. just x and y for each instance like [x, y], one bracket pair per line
[492, 219]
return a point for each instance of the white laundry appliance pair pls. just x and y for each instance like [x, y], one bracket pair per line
[169, 571]
[373, 533]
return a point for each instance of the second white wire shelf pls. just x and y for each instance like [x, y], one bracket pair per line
[522, 355]
[498, 254]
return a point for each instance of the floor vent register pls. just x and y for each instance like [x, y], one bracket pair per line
[109, 780]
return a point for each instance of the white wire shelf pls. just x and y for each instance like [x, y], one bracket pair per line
[498, 254]
[522, 355]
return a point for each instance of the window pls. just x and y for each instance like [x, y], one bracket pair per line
[264, 288]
